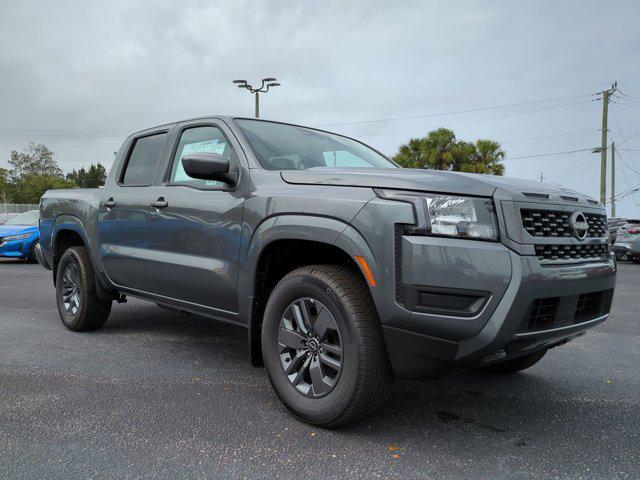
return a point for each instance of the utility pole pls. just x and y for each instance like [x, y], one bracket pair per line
[613, 179]
[264, 88]
[606, 95]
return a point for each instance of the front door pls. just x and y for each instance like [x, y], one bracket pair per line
[124, 213]
[194, 228]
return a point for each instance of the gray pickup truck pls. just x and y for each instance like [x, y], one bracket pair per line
[346, 270]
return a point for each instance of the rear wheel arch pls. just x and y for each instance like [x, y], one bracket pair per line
[64, 238]
[69, 231]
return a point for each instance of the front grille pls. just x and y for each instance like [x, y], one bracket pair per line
[591, 305]
[555, 312]
[555, 223]
[571, 252]
[543, 313]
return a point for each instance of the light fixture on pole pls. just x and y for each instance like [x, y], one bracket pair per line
[264, 88]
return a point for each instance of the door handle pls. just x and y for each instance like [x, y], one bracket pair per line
[160, 203]
[109, 203]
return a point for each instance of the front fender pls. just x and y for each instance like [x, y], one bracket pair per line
[292, 227]
[299, 227]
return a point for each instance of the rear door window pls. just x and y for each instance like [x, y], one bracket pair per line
[143, 160]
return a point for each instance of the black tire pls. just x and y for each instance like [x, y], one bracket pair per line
[515, 365]
[32, 255]
[91, 312]
[635, 259]
[365, 380]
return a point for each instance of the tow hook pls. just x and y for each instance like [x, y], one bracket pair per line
[494, 357]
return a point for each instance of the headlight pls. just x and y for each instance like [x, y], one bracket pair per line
[450, 215]
[12, 238]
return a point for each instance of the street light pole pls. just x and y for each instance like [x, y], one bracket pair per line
[264, 88]
[257, 104]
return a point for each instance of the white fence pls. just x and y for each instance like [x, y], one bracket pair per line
[12, 208]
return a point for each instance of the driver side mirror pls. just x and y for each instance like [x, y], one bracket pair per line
[209, 166]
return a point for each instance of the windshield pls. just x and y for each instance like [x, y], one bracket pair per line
[288, 147]
[27, 219]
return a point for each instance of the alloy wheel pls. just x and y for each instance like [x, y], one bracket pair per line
[310, 347]
[71, 292]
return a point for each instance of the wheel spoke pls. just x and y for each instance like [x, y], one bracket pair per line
[75, 276]
[300, 373]
[330, 362]
[291, 339]
[296, 363]
[299, 314]
[322, 324]
[317, 377]
[335, 350]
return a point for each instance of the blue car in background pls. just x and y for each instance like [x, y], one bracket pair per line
[20, 235]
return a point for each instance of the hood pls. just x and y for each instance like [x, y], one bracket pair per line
[6, 230]
[436, 181]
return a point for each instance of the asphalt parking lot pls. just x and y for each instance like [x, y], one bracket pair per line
[157, 394]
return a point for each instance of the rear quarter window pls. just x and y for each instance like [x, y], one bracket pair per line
[143, 161]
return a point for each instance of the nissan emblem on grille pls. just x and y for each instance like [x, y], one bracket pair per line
[579, 225]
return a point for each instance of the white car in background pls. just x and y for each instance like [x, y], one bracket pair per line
[627, 246]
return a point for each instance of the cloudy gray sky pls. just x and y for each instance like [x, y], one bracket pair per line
[79, 76]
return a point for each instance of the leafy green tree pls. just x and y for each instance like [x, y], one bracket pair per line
[412, 155]
[33, 172]
[92, 178]
[487, 158]
[6, 189]
[38, 159]
[440, 150]
[32, 187]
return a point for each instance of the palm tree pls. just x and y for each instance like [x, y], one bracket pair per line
[440, 145]
[487, 158]
[411, 155]
[440, 150]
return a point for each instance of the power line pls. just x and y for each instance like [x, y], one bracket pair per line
[550, 154]
[67, 146]
[479, 119]
[551, 136]
[615, 118]
[454, 112]
[580, 164]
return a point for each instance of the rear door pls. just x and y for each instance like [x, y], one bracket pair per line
[124, 212]
[194, 234]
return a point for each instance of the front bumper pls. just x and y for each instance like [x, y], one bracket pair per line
[500, 291]
[17, 248]
[628, 249]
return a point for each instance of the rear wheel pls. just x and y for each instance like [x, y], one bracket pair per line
[323, 348]
[635, 259]
[79, 307]
[515, 365]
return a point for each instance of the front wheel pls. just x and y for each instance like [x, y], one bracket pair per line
[323, 348]
[32, 255]
[79, 307]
